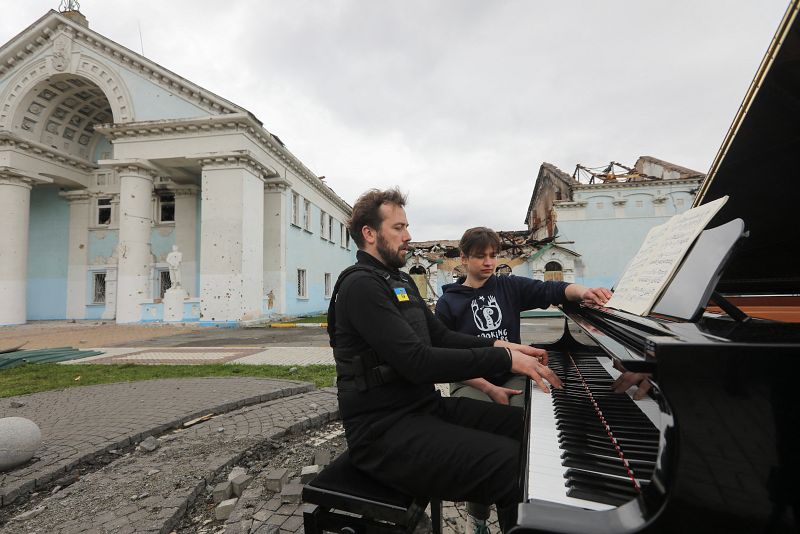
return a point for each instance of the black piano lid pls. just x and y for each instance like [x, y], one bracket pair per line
[757, 166]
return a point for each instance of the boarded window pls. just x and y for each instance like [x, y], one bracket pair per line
[553, 271]
[99, 288]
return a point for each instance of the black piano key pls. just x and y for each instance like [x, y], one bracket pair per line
[610, 467]
[591, 493]
[595, 448]
[623, 483]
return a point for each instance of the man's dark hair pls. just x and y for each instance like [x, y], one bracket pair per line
[476, 240]
[366, 211]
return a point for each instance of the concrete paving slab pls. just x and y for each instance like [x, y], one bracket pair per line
[289, 356]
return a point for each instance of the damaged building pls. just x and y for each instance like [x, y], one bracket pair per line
[582, 228]
[109, 162]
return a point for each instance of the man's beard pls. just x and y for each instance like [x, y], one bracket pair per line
[392, 258]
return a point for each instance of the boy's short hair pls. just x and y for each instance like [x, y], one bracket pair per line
[366, 211]
[476, 240]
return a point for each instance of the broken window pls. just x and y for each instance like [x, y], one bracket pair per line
[104, 211]
[166, 208]
[330, 228]
[327, 285]
[301, 284]
[164, 283]
[99, 288]
[295, 209]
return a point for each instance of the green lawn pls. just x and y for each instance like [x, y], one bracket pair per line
[312, 319]
[31, 378]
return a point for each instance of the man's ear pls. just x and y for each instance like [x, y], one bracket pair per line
[369, 234]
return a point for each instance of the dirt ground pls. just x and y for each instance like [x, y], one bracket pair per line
[85, 334]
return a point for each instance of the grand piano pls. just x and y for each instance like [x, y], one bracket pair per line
[712, 447]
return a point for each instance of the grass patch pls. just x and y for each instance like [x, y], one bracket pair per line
[312, 319]
[32, 378]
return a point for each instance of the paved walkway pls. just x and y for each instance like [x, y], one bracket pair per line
[204, 355]
[79, 423]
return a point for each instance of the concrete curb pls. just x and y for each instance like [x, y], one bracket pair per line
[298, 325]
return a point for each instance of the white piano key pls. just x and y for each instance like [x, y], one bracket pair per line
[546, 480]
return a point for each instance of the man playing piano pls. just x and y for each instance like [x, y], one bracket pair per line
[489, 306]
[390, 350]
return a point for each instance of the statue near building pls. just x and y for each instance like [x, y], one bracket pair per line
[174, 259]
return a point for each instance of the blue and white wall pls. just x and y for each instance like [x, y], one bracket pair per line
[307, 248]
[605, 224]
[47, 254]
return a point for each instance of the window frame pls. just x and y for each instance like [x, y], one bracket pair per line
[99, 207]
[95, 276]
[295, 209]
[160, 206]
[306, 215]
[302, 283]
[328, 279]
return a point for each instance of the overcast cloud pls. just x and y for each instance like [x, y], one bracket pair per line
[457, 102]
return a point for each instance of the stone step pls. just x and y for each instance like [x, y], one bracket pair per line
[151, 491]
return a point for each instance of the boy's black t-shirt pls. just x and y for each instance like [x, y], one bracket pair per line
[492, 310]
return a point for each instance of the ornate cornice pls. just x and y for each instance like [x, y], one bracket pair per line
[78, 195]
[39, 34]
[237, 159]
[140, 168]
[9, 140]
[242, 123]
[637, 184]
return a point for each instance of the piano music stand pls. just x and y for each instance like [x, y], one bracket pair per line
[692, 287]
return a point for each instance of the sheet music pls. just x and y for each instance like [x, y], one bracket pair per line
[658, 258]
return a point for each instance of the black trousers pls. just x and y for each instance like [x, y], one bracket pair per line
[461, 450]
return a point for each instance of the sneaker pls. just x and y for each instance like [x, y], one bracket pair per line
[476, 526]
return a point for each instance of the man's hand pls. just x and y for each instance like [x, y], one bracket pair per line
[628, 379]
[502, 395]
[539, 354]
[596, 295]
[524, 364]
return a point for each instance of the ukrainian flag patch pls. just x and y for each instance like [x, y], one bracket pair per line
[401, 294]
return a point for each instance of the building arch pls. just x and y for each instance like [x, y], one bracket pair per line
[553, 271]
[40, 88]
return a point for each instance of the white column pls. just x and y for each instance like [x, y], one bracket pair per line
[231, 239]
[15, 203]
[186, 234]
[275, 222]
[79, 216]
[135, 225]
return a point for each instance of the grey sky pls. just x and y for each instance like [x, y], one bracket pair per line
[457, 102]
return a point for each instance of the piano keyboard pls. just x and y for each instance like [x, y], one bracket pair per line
[589, 447]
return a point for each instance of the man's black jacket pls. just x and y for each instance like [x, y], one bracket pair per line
[368, 317]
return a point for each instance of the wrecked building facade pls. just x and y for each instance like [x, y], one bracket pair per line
[595, 228]
[582, 228]
[108, 160]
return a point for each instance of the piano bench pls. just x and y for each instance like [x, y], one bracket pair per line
[343, 499]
